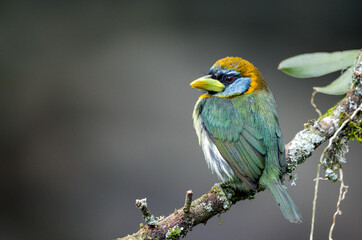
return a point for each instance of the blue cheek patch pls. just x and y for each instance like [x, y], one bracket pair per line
[238, 87]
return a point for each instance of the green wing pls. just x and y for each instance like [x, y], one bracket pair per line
[243, 135]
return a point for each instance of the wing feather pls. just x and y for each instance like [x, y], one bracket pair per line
[243, 141]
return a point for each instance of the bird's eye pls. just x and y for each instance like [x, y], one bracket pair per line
[230, 79]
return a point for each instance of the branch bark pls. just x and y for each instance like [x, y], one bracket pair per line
[221, 197]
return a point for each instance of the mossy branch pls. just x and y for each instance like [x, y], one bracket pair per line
[221, 197]
[316, 132]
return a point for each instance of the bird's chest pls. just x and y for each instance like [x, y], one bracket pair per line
[223, 119]
[213, 157]
[217, 118]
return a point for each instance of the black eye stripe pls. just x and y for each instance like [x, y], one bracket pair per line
[215, 76]
[224, 76]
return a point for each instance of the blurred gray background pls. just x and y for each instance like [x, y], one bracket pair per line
[96, 112]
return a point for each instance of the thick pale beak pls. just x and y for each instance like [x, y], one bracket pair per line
[208, 84]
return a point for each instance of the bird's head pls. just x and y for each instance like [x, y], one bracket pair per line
[231, 77]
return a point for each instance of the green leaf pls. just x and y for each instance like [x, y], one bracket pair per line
[339, 86]
[317, 64]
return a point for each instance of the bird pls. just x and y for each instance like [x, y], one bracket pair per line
[238, 130]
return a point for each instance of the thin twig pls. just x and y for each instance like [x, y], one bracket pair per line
[315, 199]
[342, 194]
[188, 201]
[141, 204]
[321, 179]
[314, 105]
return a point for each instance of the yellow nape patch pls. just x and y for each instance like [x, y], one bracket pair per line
[255, 84]
[246, 69]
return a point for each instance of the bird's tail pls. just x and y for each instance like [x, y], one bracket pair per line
[286, 204]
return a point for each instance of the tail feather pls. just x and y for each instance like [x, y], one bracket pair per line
[286, 204]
